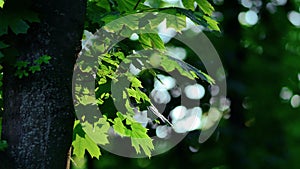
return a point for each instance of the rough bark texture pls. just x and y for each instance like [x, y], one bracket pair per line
[38, 118]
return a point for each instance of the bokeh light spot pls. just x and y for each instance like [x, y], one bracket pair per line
[195, 91]
[279, 2]
[251, 17]
[294, 18]
[246, 3]
[134, 37]
[286, 93]
[295, 101]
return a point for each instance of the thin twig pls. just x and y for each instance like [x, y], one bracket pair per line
[136, 5]
[69, 158]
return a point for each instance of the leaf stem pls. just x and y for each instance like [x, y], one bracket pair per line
[136, 5]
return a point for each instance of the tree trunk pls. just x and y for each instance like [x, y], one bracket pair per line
[39, 115]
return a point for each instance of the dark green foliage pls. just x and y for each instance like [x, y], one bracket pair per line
[24, 67]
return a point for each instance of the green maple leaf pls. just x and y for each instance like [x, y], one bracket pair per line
[97, 131]
[189, 4]
[19, 26]
[140, 139]
[136, 132]
[129, 5]
[126, 5]
[205, 6]
[137, 94]
[82, 142]
[151, 41]
[103, 4]
[173, 19]
[129, 21]
[176, 22]
[135, 82]
[212, 24]
[16, 20]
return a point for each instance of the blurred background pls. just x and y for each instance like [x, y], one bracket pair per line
[259, 46]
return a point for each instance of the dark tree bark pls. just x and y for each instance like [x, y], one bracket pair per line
[39, 115]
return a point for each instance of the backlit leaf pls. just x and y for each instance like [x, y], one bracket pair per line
[82, 142]
[97, 131]
[189, 4]
[205, 6]
[130, 21]
[137, 133]
[151, 41]
[140, 139]
[177, 22]
[212, 24]
[1, 3]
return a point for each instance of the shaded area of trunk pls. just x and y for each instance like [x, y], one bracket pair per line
[38, 118]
